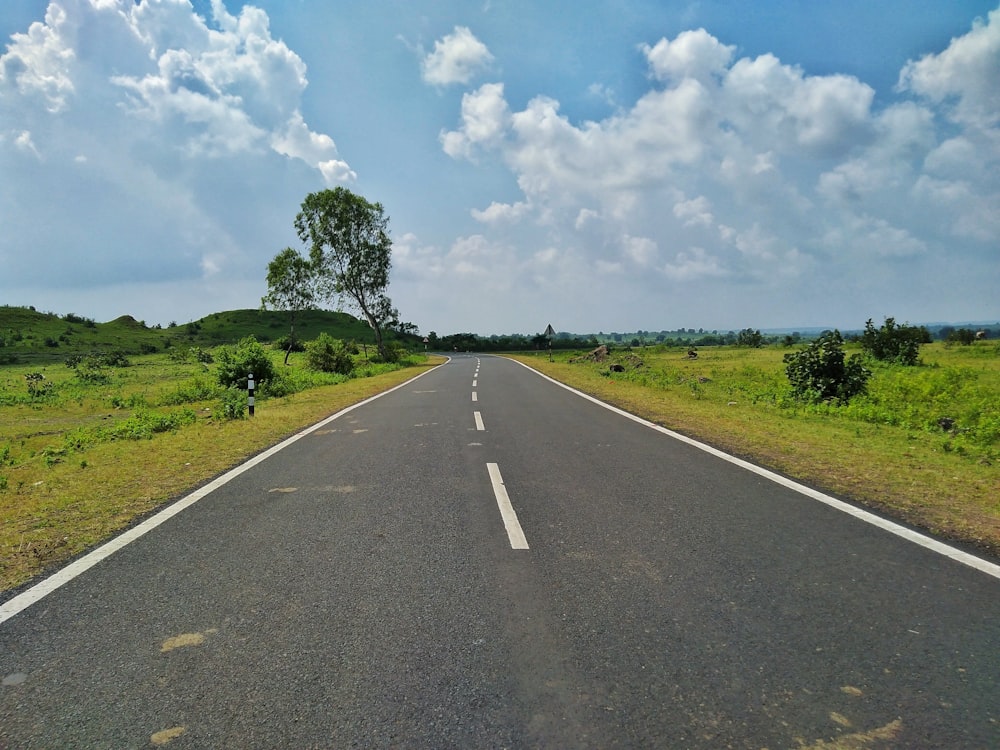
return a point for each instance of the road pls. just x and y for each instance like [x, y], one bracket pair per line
[363, 588]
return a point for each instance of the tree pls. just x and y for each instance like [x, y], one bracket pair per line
[894, 343]
[350, 253]
[290, 287]
[751, 338]
[963, 336]
[820, 373]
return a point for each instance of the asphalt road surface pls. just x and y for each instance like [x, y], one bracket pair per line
[367, 586]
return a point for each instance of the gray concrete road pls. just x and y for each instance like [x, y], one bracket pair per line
[363, 588]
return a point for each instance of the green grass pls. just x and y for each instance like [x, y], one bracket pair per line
[922, 445]
[28, 336]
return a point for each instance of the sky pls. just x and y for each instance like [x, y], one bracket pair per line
[598, 166]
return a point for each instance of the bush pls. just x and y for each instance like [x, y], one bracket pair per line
[820, 372]
[963, 336]
[143, 424]
[894, 343]
[248, 357]
[232, 404]
[290, 343]
[189, 393]
[38, 387]
[328, 354]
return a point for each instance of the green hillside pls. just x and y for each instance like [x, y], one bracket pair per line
[27, 335]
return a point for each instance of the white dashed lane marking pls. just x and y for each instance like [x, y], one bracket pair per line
[514, 531]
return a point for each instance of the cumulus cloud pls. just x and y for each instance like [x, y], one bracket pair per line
[153, 133]
[231, 88]
[456, 58]
[485, 117]
[966, 75]
[695, 212]
[784, 167]
[640, 250]
[497, 213]
[693, 54]
[38, 64]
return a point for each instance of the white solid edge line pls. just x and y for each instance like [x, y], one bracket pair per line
[892, 527]
[64, 575]
[514, 531]
[479, 421]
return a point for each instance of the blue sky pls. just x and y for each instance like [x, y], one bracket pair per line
[610, 166]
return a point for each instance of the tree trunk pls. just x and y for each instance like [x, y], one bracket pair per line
[291, 340]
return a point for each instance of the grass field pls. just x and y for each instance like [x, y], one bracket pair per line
[921, 446]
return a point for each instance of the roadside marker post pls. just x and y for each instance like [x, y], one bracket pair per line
[250, 392]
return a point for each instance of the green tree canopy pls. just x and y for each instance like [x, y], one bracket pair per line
[350, 253]
[893, 342]
[290, 287]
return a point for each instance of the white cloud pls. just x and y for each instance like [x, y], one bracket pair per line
[38, 63]
[484, 118]
[24, 143]
[693, 54]
[695, 212]
[318, 150]
[456, 58]
[692, 265]
[497, 213]
[640, 250]
[154, 125]
[789, 167]
[966, 75]
[868, 237]
[777, 107]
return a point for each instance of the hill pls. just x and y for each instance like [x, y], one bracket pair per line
[27, 335]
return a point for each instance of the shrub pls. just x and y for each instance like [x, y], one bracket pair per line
[248, 357]
[290, 343]
[202, 355]
[963, 336]
[143, 424]
[195, 353]
[74, 318]
[394, 351]
[820, 372]
[328, 354]
[894, 343]
[38, 387]
[96, 360]
[232, 404]
[196, 390]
